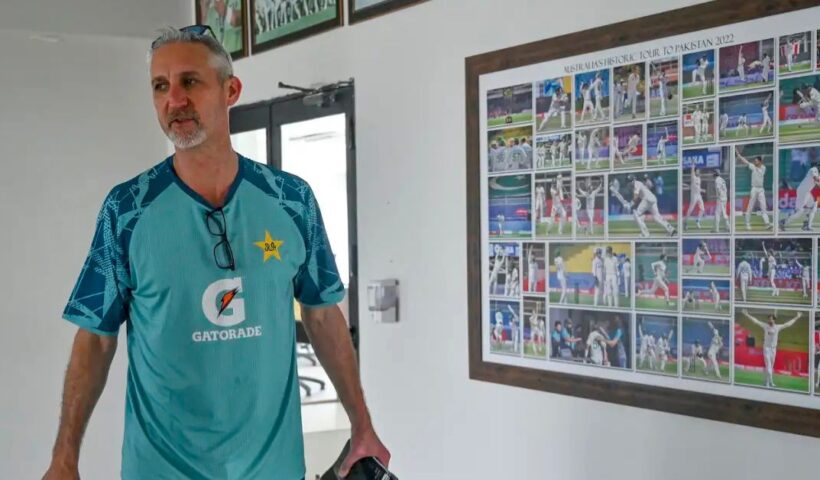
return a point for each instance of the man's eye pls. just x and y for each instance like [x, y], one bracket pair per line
[159, 87]
[190, 81]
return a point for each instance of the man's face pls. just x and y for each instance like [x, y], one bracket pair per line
[758, 162]
[191, 102]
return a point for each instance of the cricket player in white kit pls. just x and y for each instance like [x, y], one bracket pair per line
[742, 124]
[540, 212]
[767, 119]
[586, 93]
[805, 277]
[697, 122]
[557, 107]
[715, 295]
[695, 196]
[499, 266]
[771, 266]
[596, 348]
[806, 201]
[771, 331]
[630, 149]
[724, 122]
[700, 71]
[592, 146]
[714, 351]
[757, 196]
[515, 329]
[648, 202]
[532, 270]
[581, 144]
[700, 257]
[659, 268]
[704, 124]
[744, 275]
[560, 273]
[557, 194]
[660, 150]
[663, 90]
[610, 278]
[810, 103]
[741, 64]
[643, 354]
[498, 329]
[597, 87]
[626, 270]
[721, 207]
[589, 196]
[632, 89]
[598, 276]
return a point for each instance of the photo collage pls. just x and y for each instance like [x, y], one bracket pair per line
[660, 217]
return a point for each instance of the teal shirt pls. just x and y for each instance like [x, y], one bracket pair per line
[212, 385]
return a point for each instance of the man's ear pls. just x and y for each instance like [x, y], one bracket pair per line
[234, 90]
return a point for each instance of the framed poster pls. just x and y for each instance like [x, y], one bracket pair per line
[366, 9]
[228, 20]
[642, 205]
[277, 22]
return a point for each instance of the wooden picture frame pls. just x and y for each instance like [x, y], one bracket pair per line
[236, 53]
[321, 25]
[741, 411]
[382, 8]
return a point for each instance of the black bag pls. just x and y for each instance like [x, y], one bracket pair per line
[365, 469]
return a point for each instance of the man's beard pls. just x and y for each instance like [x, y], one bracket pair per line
[186, 140]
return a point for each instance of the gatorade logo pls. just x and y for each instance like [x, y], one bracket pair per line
[221, 303]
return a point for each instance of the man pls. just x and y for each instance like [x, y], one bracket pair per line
[771, 266]
[660, 150]
[589, 194]
[515, 331]
[626, 270]
[713, 291]
[767, 119]
[771, 331]
[757, 195]
[741, 64]
[806, 201]
[714, 350]
[610, 278]
[499, 267]
[721, 210]
[647, 202]
[632, 89]
[659, 282]
[557, 209]
[700, 257]
[586, 94]
[597, 87]
[597, 276]
[695, 197]
[744, 275]
[212, 385]
[697, 123]
[561, 275]
[532, 270]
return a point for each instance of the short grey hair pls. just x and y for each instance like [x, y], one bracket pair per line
[220, 58]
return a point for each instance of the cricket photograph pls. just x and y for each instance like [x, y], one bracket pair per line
[709, 257]
[795, 53]
[698, 74]
[748, 65]
[592, 97]
[629, 93]
[643, 205]
[706, 296]
[627, 147]
[505, 270]
[799, 190]
[592, 149]
[656, 276]
[705, 191]
[754, 188]
[510, 206]
[597, 338]
[746, 117]
[706, 349]
[509, 105]
[799, 118]
[592, 274]
[535, 327]
[664, 75]
[553, 105]
[816, 361]
[535, 276]
[505, 327]
[663, 145]
[773, 271]
[552, 205]
[553, 152]
[588, 205]
[772, 348]
[698, 122]
[656, 344]
[509, 149]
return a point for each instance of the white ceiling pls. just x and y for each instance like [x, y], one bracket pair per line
[123, 18]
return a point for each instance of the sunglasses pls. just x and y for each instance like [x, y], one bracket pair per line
[217, 226]
[197, 30]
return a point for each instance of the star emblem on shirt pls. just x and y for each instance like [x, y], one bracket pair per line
[270, 247]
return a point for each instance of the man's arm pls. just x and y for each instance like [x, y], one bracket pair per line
[85, 379]
[754, 320]
[327, 330]
[790, 322]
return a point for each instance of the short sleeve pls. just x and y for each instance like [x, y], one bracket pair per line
[99, 300]
[317, 283]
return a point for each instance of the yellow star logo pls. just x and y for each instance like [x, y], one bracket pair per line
[270, 247]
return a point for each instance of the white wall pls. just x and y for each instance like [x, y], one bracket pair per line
[75, 122]
[409, 72]
[75, 119]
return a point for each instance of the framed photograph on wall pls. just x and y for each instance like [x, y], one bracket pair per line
[227, 18]
[278, 22]
[361, 10]
[658, 186]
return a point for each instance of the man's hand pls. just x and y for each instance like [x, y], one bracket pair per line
[365, 443]
[59, 471]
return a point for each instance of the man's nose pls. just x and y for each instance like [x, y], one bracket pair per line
[177, 96]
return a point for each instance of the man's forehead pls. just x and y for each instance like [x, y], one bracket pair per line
[178, 58]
